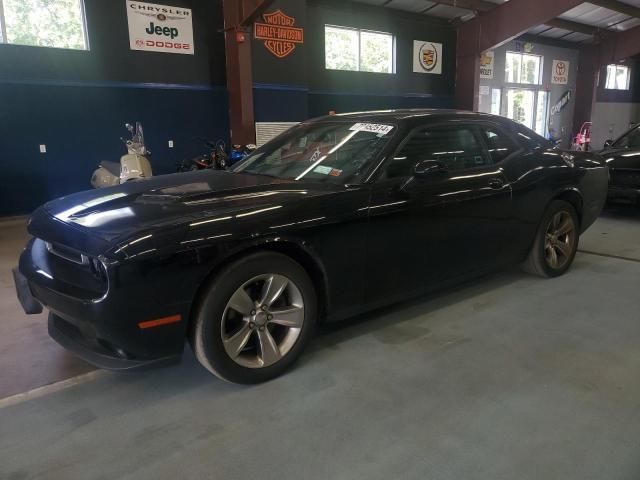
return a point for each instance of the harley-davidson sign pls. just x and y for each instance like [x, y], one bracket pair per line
[278, 33]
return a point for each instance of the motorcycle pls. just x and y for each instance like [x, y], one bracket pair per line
[133, 166]
[240, 152]
[216, 158]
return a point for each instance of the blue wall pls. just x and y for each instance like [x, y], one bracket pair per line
[82, 125]
[76, 102]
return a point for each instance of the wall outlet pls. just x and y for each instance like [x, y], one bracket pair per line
[170, 143]
[43, 148]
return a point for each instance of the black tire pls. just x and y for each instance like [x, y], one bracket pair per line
[205, 334]
[537, 262]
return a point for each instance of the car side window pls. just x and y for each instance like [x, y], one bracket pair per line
[456, 147]
[630, 140]
[499, 145]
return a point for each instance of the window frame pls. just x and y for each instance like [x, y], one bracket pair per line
[359, 31]
[517, 146]
[473, 126]
[85, 31]
[519, 81]
[617, 66]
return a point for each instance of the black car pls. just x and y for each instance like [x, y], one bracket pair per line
[623, 159]
[337, 216]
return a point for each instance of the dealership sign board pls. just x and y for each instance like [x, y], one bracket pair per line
[486, 64]
[159, 28]
[278, 33]
[560, 72]
[427, 57]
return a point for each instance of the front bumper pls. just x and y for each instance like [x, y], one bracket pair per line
[103, 330]
[72, 339]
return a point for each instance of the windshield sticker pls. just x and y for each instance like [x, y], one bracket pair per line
[378, 128]
[335, 172]
[323, 170]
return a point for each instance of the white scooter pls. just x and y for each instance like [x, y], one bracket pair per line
[133, 166]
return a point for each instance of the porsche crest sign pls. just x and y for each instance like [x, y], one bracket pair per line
[278, 33]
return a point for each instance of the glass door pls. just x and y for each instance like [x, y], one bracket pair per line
[528, 107]
[520, 106]
[542, 110]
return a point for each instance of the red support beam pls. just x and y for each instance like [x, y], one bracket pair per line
[586, 83]
[238, 18]
[614, 47]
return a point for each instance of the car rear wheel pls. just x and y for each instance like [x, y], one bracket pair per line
[255, 318]
[556, 242]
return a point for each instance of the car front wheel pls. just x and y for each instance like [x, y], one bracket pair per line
[255, 318]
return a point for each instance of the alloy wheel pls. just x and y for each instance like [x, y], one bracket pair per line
[262, 320]
[559, 240]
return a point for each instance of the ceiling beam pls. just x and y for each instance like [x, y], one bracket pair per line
[475, 5]
[617, 6]
[485, 6]
[571, 26]
[252, 9]
[495, 27]
[615, 47]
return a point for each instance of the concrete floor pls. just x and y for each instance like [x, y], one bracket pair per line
[507, 377]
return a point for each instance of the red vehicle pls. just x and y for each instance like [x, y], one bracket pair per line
[582, 141]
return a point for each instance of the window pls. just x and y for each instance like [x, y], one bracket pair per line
[523, 68]
[618, 77]
[530, 139]
[358, 50]
[499, 145]
[457, 148]
[629, 140]
[542, 107]
[44, 23]
[320, 152]
[495, 101]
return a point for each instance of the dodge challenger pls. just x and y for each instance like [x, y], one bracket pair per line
[338, 215]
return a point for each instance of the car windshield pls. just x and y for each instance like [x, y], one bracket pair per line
[630, 139]
[336, 152]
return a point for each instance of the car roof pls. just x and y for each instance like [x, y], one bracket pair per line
[409, 114]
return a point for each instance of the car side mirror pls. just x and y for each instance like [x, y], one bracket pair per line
[429, 168]
[608, 143]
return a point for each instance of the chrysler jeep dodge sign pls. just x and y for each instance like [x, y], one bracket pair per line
[159, 28]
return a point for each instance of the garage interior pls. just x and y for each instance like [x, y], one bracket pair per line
[509, 376]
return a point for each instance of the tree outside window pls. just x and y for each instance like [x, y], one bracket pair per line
[44, 23]
[359, 50]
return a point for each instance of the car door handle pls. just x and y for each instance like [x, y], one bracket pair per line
[496, 183]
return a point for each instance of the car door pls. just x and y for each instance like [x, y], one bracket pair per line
[429, 230]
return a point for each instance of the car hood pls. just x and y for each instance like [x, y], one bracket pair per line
[170, 202]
